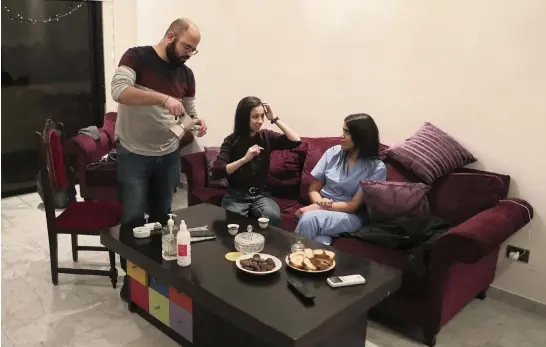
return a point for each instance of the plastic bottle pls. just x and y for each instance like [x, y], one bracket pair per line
[183, 243]
[168, 240]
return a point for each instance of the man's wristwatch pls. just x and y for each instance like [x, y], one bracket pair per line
[273, 121]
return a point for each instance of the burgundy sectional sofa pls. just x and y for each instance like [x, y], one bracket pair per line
[99, 184]
[462, 263]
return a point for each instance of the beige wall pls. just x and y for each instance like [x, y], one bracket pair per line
[474, 68]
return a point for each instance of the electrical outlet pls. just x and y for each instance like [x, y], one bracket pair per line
[523, 253]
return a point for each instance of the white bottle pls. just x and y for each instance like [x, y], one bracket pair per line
[183, 245]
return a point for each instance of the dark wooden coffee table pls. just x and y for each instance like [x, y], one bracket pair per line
[212, 303]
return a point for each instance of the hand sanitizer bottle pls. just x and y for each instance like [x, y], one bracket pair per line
[168, 240]
[183, 241]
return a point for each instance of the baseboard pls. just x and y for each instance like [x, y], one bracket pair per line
[517, 301]
[183, 185]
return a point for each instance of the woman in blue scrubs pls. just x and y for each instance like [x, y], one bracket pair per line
[336, 196]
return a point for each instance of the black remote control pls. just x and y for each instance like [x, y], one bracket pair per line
[298, 287]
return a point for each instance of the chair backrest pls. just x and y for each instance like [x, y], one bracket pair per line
[53, 174]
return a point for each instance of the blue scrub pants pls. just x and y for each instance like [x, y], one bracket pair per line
[321, 225]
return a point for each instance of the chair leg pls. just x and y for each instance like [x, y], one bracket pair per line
[53, 258]
[113, 270]
[74, 247]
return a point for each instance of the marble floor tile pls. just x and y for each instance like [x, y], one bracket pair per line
[85, 311]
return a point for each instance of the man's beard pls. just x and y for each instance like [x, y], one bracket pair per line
[175, 60]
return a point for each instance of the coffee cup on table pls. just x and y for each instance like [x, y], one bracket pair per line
[263, 222]
[233, 229]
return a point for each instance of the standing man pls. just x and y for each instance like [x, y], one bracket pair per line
[154, 89]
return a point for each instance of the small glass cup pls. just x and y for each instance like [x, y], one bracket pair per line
[297, 246]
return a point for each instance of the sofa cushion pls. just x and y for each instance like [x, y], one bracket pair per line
[205, 194]
[396, 172]
[210, 154]
[285, 170]
[284, 204]
[385, 200]
[315, 149]
[462, 194]
[430, 153]
[287, 216]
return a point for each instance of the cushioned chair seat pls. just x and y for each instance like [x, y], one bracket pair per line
[89, 215]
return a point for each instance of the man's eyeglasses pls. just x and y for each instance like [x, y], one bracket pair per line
[190, 49]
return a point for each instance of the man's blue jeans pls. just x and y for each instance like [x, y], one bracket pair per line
[146, 184]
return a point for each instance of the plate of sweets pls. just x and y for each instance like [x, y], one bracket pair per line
[312, 260]
[259, 263]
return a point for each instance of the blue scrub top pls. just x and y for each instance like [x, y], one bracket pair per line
[342, 183]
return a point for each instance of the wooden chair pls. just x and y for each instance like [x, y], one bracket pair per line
[78, 218]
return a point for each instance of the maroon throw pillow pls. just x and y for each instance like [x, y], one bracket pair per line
[211, 153]
[430, 153]
[385, 200]
[458, 196]
[285, 168]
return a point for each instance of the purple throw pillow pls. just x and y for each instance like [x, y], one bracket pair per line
[385, 200]
[430, 153]
[211, 153]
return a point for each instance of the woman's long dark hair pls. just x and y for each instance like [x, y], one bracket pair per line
[242, 115]
[365, 136]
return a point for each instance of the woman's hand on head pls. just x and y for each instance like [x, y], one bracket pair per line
[252, 152]
[268, 111]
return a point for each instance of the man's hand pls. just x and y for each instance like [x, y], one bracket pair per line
[252, 152]
[268, 111]
[174, 106]
[202, 124]
[308, 208]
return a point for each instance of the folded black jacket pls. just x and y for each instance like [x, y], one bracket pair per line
[416, 236]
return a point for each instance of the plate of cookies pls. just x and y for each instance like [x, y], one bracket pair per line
[312, 260]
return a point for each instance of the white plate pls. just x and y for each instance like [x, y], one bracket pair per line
[287, 260]
[278, 263]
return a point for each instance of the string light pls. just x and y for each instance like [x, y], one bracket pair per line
[21, 19]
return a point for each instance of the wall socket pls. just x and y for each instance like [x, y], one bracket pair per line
[523, 253]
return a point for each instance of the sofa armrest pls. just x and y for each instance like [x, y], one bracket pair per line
[195, 167]
[83, 150]
[88, 150]
[477, 237]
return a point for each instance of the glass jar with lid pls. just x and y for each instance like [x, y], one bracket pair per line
[249, 242]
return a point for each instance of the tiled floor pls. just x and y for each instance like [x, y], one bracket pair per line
[85, 311]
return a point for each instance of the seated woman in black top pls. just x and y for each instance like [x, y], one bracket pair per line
[244, 158]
